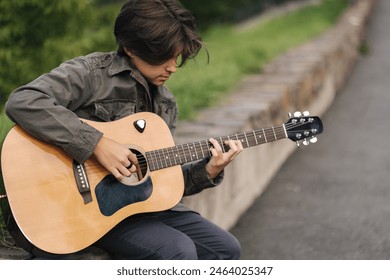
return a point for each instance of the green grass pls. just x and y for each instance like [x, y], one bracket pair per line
[235, 53]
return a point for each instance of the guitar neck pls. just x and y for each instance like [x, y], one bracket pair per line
[184, 153]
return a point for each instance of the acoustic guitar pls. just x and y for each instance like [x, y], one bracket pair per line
[62, 206]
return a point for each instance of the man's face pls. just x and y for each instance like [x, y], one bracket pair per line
[154, 74]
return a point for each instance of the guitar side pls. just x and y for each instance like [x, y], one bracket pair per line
[44, 198]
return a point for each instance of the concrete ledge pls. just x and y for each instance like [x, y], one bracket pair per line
[305, 78]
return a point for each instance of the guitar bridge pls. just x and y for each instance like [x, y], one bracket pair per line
[82, 181]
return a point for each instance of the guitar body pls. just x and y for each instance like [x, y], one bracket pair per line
[45, 197]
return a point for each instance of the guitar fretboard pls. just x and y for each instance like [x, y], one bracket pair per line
[184, 153]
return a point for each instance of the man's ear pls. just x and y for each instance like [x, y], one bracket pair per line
[128, 52]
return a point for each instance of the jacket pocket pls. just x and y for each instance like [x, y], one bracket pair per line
[113, 109]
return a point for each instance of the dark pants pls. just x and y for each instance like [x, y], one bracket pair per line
[169, 235]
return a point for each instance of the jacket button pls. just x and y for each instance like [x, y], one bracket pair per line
[142, 108]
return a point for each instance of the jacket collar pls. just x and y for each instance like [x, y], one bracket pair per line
[119, 64]
[122, 63]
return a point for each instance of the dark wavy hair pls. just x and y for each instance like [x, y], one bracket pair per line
[154, 30]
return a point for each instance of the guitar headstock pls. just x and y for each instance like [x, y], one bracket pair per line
[303, 127]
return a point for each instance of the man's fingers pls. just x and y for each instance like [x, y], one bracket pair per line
[132, 158]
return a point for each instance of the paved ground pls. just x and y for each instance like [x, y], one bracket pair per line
[331, 200]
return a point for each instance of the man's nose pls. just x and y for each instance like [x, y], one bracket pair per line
[171, 66]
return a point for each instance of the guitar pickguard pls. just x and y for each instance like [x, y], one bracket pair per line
[113, 195]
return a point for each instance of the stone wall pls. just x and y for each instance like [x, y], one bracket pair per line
[306, 78]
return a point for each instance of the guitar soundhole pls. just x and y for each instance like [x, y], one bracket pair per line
[142, 163]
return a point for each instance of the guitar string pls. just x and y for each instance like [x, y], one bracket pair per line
[167, 154]
[180, 152]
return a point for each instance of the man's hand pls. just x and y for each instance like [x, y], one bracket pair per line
[116, 158]
[219, 159]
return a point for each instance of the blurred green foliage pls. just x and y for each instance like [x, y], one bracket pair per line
[37, 35]
[25, 27]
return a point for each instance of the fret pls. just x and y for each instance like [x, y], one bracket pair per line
[270, 134]
[151, 161]
[180, 154]
[157, 160]
[280, 132]
[239, 139]
[265, 136]
[171, 153]
[285, 131]
[246, 139]
[254, 135]
[207, 147]
[160, 158]
[273, 129]
[163, 158]
[193, 149]
[189, 151]
[222, 144]
[201, 148]
[184, 153]
[169, 156]
[254, 141]
[197, 151]
[166, 156]
[174, 154]
[262, 138]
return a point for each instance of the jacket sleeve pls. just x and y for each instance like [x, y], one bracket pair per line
[196, 178]
[44, 108]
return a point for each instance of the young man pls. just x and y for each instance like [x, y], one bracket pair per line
[155, 37]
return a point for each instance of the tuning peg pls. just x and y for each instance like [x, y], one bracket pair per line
[297, 114]
[306, 113]
[305, 142]
[289, 115]
[313, 140]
